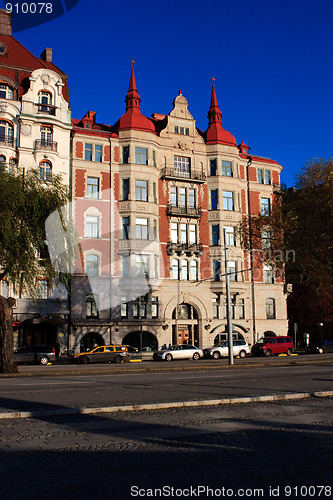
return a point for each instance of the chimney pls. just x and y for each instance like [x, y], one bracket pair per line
[46, 55]
[5, 22]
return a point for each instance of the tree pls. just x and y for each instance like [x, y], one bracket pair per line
[26, 202]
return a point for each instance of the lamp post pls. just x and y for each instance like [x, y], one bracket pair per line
[229, 319]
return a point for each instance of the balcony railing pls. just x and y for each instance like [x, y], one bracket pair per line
[183, 210]
[46, 109]
[7, 140]
[191, 174]
[184, 248]
[46, 145]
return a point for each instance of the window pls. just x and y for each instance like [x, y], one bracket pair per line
[154, 192]
[182, 130]
[141, 266]
[98, 152]
[193, 270]
[183, 269]
[192, 233]
[155, 229]
[268, 274]
[93, 187]
[182, 197]
[215, 309]
[270, 309]
[92, 226]
[141, 190]
[126, 228]
[265, 206]
[12, 164]
[191, 198]
[139, 307]
[215, 234]
[91, 308]
[45, 171]
[268, 177]
[141, 228]
[154, 158]
[216, 270]
[2, 163]
[229, 236]
[4, 289]
[176, 130]
[125, 152]
[173, 196]
[226, 168]
[174, 232]
[260, 176]
[183, 233]
[125, 263]
[44, 102]
[46, 135]
[213, 199]
[228, 200]
[232, 271]
[6, 133]
[241, 309]
[88, 152]
[266, 239]
[125, 189]
[182, 166]
[42, 289]
[123, 307]
[141, 156]
[174, 269]
[212, 165]
[6, 91]
[154, 307]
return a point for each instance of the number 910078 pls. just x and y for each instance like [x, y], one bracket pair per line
[29, 8]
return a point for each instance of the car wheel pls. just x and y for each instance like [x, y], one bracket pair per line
[118, 359]
[288, 352]
[268, 352]
[216, 355]
[84, 360]
[321, 350]
[44, 360]
[196, 356]
[168, 357]
[242, 354]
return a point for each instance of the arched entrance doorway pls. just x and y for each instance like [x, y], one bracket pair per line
[146, 340]
[220, 333]
[185, 328]
[91, 340]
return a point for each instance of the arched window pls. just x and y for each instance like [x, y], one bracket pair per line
[91, 308]
[6, 91]
[2, 162]
[270, 308]
[92, 265]
[46, 135]
[12, 164]
[45, 102]
[45, 170]
[6, 133]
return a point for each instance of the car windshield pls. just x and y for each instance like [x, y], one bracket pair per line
[263, 340]
[173, 347]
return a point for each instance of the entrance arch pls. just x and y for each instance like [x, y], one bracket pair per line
[148, 341]
[91, 340]
[185, 327]
[221, 333]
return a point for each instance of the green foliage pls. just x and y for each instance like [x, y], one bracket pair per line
[25, 204]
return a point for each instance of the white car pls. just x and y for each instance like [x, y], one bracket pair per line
[183, 351]
[240, 348]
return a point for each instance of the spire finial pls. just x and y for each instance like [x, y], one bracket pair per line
[132, 98]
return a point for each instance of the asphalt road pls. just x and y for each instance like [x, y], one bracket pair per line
[161, 385]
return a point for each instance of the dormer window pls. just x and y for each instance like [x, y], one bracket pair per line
[182, 130]
[6, 91]
[45, 102]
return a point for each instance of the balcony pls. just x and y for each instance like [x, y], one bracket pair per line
[7, 140]
[46, 109]
[183, 210]
[184, 248]
[191, 174]
[46, 146]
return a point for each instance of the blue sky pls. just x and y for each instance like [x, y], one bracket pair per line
[272, 60]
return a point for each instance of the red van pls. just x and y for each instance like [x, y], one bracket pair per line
[273, 345]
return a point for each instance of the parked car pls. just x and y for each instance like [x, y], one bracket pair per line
[319, 347]
[104, 354]
[183, 351]
[240, 348]
[273, 345]
[37, 354]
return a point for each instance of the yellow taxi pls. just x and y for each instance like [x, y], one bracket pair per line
[104, 354]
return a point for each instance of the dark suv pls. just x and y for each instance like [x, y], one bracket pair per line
[38, 354]
[319, 347]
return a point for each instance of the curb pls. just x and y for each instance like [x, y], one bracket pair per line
[159, 406]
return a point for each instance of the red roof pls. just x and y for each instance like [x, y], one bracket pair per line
[216, 134]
